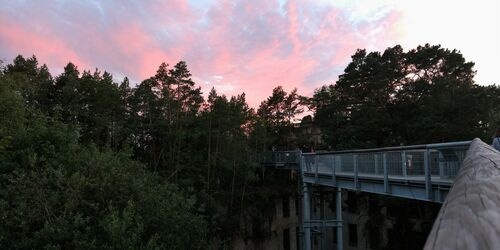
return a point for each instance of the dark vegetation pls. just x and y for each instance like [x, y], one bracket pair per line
[87, 163]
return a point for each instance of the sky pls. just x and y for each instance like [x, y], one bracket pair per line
[244, 46]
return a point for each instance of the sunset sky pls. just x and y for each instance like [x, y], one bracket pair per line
[244, 46]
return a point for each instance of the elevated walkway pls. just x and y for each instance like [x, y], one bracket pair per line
[464, 176]
[421, 172]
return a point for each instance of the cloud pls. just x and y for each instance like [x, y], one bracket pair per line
[21, 40]
[234, 46]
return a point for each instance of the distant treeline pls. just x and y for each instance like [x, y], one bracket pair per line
[88, 163]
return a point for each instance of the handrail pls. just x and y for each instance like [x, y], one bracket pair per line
[281, 157]
[397, 148]
[469, 217]
[285, 151]
[424, 164]
[383, 149]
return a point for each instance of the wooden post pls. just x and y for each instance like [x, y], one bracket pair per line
[469, 217]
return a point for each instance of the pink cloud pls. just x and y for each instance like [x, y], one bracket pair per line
[293, 26]
[22, 40]
[252, 46]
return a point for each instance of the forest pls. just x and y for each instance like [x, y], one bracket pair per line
[90, 163]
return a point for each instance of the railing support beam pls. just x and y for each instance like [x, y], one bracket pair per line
[403, 164]
[314, 161]
[334, 178]
[386, 173]
[427, 173]
[355, 163]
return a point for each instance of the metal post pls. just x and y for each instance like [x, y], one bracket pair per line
[375, 158]
[427, 173]
[338, 212]
[441, 165]
[355, 163]
[340, 164]
[302, 165]
[306, 200]
[314, 161]
[334, 178]
[386, 174]
[297, 157]
[403, 163]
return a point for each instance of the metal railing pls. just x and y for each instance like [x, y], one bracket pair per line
[281, 157]
[440, 160]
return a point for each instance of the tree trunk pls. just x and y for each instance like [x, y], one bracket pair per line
[232, 185]
[208, 159]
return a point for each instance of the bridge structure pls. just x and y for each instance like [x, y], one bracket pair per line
[420, 172]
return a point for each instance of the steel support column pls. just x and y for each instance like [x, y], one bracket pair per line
[306, 205]
[338, 215]
[322, 218]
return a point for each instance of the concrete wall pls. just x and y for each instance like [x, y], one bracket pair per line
[278, 225]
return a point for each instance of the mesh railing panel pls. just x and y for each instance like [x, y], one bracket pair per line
[366, 163]
[444, 162]
[393, 161]
[346, 163]
[280, 157]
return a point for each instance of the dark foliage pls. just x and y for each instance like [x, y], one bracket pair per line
[87, 163]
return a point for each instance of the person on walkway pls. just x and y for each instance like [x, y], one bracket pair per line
[308, 159]
[496, 140]
[274, 154]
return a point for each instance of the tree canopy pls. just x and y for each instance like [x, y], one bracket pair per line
[89, 163]
[425, 95]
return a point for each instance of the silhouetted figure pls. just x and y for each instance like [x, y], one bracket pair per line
[274, 154]
[496, 140]
[308, 159]
[305, 149]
